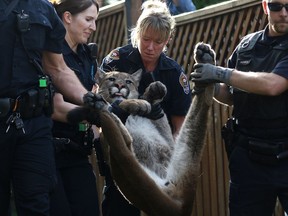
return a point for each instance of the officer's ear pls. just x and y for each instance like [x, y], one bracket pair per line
[67, 17]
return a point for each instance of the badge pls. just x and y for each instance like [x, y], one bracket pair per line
[184, 83]
[113, 55]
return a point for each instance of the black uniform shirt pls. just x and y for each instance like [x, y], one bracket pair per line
[45, 32]
[260, 53]
[85, 68]
[169, 72]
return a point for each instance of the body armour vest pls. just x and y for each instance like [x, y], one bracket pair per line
[255, 54]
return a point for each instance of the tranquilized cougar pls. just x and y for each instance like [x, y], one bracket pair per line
[154, 172]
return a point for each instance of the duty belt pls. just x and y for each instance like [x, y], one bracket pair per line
[29, 104]
[264, 151]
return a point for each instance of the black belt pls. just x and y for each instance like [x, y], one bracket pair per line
[262, 123]
[27, 105]
[264, 151]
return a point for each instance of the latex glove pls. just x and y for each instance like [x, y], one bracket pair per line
[208, 73]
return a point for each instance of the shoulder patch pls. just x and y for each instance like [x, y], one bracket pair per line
[113, 55]
[184, 83]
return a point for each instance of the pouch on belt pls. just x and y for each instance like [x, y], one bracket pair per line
[5, 106]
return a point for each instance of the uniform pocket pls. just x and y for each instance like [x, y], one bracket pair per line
[34, 38]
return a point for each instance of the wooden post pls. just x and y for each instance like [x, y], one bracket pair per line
[133, 11]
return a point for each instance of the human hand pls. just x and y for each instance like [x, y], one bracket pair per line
[155, 113]
[208, 73]
[116, 109]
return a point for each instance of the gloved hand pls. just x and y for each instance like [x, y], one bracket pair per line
[208, 73]
[120, 113]
[156, 112]
[90, 99]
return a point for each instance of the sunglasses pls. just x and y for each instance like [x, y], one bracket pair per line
[277, 6]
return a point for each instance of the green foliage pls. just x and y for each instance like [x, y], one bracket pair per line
[203, 3]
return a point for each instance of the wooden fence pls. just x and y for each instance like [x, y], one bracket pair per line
[222, 26]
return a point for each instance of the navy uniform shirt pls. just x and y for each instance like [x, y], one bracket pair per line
[265, 114]
[85, 68]
[169, 72]
[45, 32]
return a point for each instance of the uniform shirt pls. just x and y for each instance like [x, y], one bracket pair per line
[280, 68]
[265, 114]
[45, 32]
[128, 59]
[85, 68]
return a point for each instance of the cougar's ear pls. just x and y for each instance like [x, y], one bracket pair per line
[99, 76]
[137, 75]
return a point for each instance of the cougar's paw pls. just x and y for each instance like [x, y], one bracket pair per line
[136, 106]
[155, 92]
[94, 101]
[203, 53]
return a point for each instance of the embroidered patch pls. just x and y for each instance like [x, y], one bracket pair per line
[113, 55]
[184, 83]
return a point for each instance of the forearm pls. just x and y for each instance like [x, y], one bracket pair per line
[63, 77]
[259, 82]
[61, 108]
[73, 89]
[222, 94]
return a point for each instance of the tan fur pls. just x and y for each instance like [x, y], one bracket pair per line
[154, 172]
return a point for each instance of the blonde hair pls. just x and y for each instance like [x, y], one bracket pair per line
[156, 16]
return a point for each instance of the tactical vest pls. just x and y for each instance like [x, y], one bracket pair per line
[254, 54]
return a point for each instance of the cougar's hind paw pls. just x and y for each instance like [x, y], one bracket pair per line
[203, 53]
[155, 92]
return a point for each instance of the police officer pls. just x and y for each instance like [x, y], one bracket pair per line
[76, 192]
[256, 84]
[149, 39]
[31, 35]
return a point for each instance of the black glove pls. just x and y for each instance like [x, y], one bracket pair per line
[90, 99]
[114, 108]
[208, 73]
[155, 113]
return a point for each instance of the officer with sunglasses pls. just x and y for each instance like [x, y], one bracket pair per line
[256, 137]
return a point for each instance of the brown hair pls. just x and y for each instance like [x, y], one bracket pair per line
[73, 6]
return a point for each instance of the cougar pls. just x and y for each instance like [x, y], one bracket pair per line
[155, 172]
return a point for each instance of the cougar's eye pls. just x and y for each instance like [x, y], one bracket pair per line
[111, 79]
[129, 82]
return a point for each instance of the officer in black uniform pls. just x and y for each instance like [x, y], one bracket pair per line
[31, 35]
[256, 136]
[156, 66]
[76, 192]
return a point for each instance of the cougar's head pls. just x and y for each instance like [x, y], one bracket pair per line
[117, 85]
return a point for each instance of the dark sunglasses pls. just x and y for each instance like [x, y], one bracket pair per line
[274, 6]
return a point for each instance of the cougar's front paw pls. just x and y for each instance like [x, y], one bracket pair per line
[136, 106]
[155, 92]
[203, 53]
